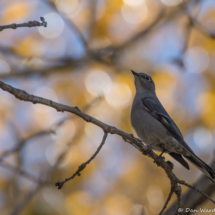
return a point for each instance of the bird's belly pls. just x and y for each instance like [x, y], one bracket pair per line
[153, 133]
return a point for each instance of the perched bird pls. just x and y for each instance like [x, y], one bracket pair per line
[154, 126]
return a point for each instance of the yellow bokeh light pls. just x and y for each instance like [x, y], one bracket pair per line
[171, 3]
[119, 95]
[15, 12]
[206, 103]
[117, 204]
[98, 82]
[134, 14]
[78, 203]
[155, 198]
[133, 2]
[68, 7]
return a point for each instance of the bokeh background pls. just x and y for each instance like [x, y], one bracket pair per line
[83, 58]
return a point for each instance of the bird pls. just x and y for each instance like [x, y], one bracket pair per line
[153, 125]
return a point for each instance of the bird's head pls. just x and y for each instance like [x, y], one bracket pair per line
[143, 83]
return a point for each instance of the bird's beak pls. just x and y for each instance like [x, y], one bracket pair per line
[134, 73]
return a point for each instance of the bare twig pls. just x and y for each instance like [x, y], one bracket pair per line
[83, 165]
[191, 199]
[196, 189]
[167, 166]
[178, 194]
[26, 24]
[20, 206]
[167, 201]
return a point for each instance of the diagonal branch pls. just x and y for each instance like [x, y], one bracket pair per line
[196, 189]
[178, 194]
[167, 201]
[26, 24]
[146, 150]
[41, 133]
[191, 199]
[83, 165]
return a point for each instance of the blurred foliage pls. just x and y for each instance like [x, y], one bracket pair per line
[87, 52]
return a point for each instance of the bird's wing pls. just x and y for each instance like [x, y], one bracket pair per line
[155, 108]
[158, 112]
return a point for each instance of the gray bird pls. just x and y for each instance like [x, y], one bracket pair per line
[154, 126]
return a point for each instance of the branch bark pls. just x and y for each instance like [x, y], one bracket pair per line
[146, 150]
[26, 24]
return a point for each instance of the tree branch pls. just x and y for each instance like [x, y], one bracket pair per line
[167, 201]
[83, 165]
[146, 150]
[191, 199]
[26, 24]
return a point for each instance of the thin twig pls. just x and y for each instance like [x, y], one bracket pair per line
[167, 201]
[21, 205]
[178, 194]
[26, 24]
[196, 189]
[22, 95]
[83, 165]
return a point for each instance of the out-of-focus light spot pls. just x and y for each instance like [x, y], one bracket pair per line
[54, 151]
[64, 133]
[4, 67]
[205, 103]
[33, 62]
[117, 204]
[98, 83]
[53, 198]
[93, 132]
[203, 137]
[46, 93]
[55, 26]
[54, 48]
[155, 198]
[133, 2]
[196, 60]
[119, 95]
[78, 202]
[137, 209]
[134, 14]
[68, 7]
[171, 3]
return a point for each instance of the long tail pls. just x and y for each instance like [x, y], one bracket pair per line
[180, 159]
[202, 166]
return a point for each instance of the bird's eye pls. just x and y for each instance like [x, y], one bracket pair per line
[147, 78]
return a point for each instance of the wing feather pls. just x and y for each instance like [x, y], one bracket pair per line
[158, 112]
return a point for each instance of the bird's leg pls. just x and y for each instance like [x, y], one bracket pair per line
[164, 150]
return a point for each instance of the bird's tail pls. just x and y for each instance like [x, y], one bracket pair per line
[202, 166]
